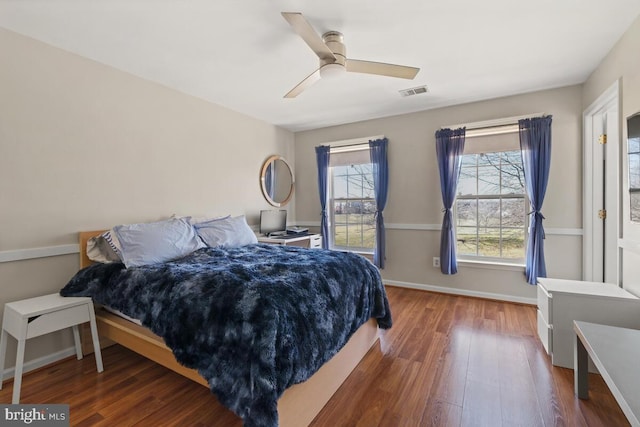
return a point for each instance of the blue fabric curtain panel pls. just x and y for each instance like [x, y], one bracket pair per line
[269, 178]
[378, 152]
[535, 145]
[322, 158]
[449, 149]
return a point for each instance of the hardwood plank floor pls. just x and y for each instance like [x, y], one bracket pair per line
[447, 361]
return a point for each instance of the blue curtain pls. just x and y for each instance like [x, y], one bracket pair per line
[378, 152]
[269, 179]
[322, 158]
[535, 146]
[449, 149]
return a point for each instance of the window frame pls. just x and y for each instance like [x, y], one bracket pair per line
[332, 200]
[499, 197]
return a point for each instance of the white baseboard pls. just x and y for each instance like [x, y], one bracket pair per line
[41, 361]
[463, 292]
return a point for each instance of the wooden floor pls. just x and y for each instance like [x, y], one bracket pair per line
[447, 361]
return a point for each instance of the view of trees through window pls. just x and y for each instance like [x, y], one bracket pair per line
[353, 207]
[491, 206]
[634, 177]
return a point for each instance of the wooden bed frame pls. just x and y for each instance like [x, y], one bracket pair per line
[299, 404]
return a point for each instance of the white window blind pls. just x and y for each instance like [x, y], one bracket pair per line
[357, 155]
[492, 140]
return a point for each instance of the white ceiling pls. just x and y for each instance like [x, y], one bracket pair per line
[243, 55]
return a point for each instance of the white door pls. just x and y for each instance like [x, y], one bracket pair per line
[601, 214]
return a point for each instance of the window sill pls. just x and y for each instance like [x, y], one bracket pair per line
[363, 253]
[491, 265]
[355, 251]
[367, 255]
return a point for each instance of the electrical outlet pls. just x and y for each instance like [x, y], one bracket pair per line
[436, 261]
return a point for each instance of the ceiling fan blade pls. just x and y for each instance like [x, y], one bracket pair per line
[391, 70]
[308, 81]
[309, 35]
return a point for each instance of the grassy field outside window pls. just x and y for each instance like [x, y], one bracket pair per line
[355, 231]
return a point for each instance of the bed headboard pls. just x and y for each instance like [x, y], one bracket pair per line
[83, 237]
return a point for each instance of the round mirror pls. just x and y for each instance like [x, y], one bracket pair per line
[276, 180]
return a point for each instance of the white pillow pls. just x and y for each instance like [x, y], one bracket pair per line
[226, 232]
[156, 242]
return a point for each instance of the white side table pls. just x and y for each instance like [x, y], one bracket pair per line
[33, 317]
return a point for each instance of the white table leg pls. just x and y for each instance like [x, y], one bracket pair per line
[95, 339]
[17, 378]
[580, 369]
[76, 341]
[3, 354]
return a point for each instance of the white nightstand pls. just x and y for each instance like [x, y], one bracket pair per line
[33, 317]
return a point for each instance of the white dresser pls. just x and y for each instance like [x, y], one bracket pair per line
[560, 302]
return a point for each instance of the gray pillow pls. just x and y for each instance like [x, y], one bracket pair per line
[156, 242]
[226, 232]
[100, 249]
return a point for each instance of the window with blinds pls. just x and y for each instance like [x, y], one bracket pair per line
[352, 203]
[491, 204]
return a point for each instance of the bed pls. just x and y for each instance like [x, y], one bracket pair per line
[298, 404]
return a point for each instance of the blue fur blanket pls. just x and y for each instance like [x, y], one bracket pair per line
[252, 320]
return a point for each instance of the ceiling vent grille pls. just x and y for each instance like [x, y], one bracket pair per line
[413, 91]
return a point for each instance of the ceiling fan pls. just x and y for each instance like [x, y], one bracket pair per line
[331, 50]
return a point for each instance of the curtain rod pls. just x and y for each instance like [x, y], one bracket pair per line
[493, 123]
[349, 145]
[339, 145]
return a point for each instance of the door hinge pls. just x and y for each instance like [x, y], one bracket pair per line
[602, 139]
[602, 214]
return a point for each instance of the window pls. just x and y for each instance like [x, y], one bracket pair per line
[633, 137]
[352, 200]
[490, 208]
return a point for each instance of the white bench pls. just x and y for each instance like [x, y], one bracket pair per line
[33, 317]
[616, 353]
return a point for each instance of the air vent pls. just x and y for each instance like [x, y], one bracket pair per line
[413, 91]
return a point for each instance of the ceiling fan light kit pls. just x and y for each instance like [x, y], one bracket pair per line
[331, 71]
[331, 53]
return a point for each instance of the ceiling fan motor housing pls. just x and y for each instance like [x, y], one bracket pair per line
[334, 41]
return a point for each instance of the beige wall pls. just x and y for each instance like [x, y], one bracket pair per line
[623, 63]
[84, 146]
[414, 189]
